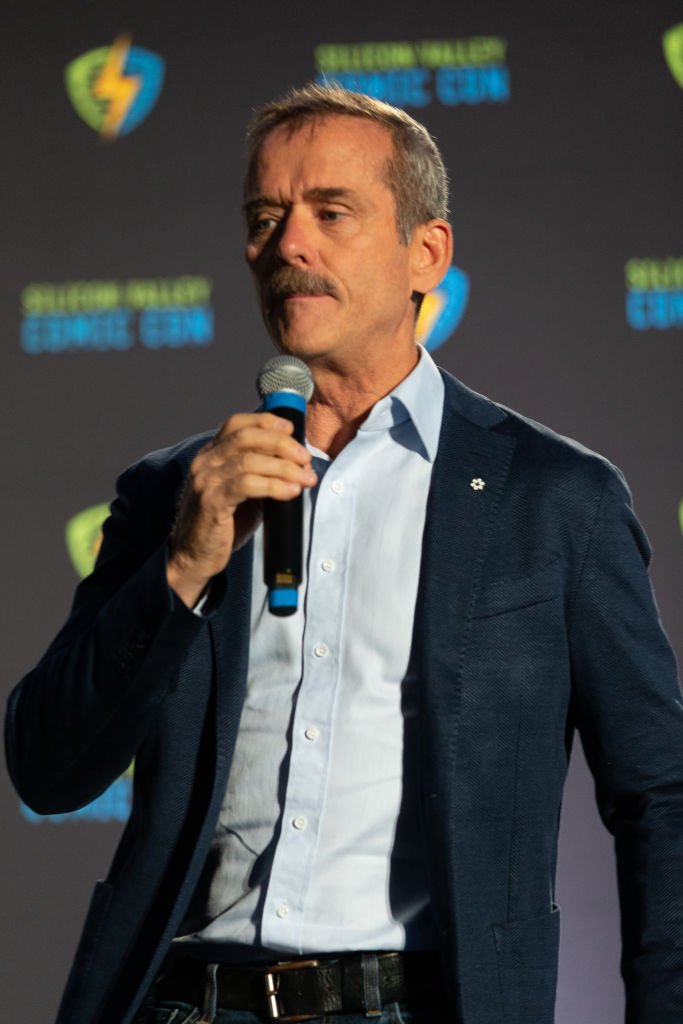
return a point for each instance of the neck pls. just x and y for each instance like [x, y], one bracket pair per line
[342, 401]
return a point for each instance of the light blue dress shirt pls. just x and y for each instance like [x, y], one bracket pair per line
[318, 845]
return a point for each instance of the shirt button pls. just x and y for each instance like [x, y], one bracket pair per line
[327, 565]
[300, 823]
[282, 910]
[312, 733]
[320, 651]
[337, 487]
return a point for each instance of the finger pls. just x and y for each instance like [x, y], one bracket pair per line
[220, 504]
[260, 464]
[261, 420]
[232, 481]
[258, 487]
[256, 439]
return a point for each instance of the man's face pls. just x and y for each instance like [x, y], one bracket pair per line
[333, 278]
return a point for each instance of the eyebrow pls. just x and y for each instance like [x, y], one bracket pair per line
[320, 195]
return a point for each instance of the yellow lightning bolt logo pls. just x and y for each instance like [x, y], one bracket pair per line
[118, 89]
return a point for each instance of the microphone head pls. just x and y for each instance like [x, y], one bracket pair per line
[285, 373]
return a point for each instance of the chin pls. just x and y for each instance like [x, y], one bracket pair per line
[305, 347]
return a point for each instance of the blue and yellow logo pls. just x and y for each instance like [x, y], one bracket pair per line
[114, 88]
[443, 309]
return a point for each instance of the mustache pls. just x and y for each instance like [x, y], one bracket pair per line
[286, 281]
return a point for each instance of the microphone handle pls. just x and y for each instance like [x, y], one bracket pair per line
[283, 521]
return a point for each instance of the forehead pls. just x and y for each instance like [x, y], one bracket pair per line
[322, 152]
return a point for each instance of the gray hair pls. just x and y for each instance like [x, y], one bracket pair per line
[415, 174]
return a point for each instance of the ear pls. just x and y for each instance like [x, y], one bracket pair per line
[431, 252]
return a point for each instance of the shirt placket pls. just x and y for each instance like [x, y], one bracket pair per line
[311, 743]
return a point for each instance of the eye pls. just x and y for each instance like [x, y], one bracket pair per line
[261, 224]
[331, 215]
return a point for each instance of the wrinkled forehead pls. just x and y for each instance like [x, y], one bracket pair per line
[369, 137]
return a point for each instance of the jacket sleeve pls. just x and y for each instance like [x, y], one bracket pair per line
[630, 715]
[76, 720]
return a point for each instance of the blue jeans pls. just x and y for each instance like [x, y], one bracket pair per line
[393, 1013]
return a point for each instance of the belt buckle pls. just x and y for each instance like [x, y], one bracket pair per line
[271, 978]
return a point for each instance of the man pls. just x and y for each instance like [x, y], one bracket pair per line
[353, 811]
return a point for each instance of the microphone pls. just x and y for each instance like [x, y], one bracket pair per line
[285, 385]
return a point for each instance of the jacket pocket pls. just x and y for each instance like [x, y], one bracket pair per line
[527, 953]
[512, 592]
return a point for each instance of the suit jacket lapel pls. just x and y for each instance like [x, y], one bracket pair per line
[468, 480]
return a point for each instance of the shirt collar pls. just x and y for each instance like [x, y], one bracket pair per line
[418, 398]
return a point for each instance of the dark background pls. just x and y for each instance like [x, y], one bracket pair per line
[552, 193]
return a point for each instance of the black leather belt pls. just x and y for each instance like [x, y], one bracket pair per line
[297, 990]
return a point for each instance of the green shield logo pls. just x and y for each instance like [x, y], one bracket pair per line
[672, 44]
[113, 88]
[84, 536]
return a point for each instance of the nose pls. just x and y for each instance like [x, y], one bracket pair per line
[295, 241]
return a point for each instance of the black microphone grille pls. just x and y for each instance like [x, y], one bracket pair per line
[285, 373]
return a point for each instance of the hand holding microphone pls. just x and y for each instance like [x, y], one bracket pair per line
[253, 456]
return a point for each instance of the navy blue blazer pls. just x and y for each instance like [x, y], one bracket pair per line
[534, 617]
